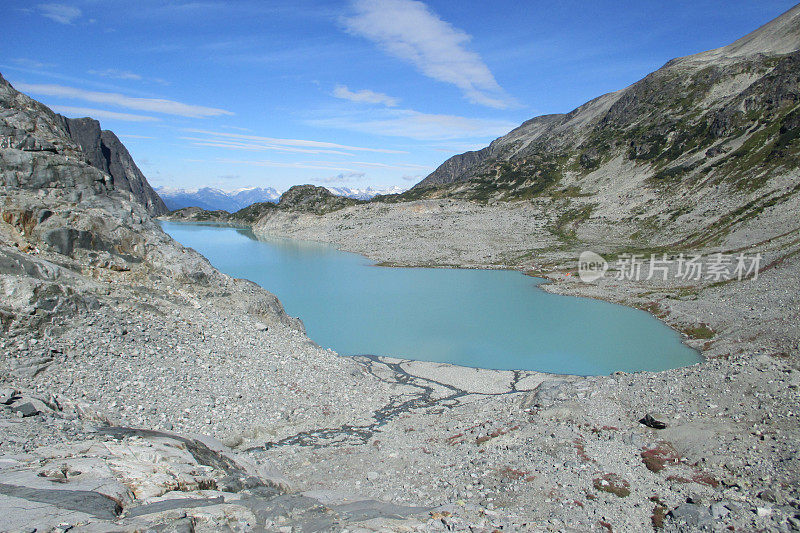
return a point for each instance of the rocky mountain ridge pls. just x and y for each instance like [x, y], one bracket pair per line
[211, 199]
[104, 151]
[720, 91]
[308, 199]
[670, 158]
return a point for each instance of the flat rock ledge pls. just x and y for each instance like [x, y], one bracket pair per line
[127, 479]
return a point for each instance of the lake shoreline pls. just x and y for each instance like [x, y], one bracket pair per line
[481, 321]
[567, 435]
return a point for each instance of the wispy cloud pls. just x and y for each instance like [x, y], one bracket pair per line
[409, 30]
[279, 164]
[336, 166]
[266, 143]
[344, 177]
[237, 128]
[364, 96]
[31, 63]
[61, 13]
[132, 136]
[154, 105]
[100, 113]
[259, 147]
[416, 125]
[116, 74]
[385, 165]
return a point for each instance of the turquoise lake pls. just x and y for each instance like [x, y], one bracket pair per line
[479, 318]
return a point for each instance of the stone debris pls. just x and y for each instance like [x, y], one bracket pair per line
[143, 390]
[651, 422]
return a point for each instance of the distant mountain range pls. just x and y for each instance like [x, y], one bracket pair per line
[212, 199]
[364, 194]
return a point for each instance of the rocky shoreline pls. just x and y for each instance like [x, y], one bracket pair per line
[726, 457]
[757, 329]
[143, 390]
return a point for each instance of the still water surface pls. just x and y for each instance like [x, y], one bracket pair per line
[480, 318]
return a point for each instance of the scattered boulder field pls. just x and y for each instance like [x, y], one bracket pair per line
[143, 390]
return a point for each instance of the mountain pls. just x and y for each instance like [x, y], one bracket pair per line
[212, 199]
[314, 199]
[32, 131]
[703, 142]
[104, 151]
[366, 193]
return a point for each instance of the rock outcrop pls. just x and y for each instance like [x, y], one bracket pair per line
[104, 151]
[313, 199]
[31, 135]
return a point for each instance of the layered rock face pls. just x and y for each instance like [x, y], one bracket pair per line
[104, 151]
[31, 135]
[71, 202]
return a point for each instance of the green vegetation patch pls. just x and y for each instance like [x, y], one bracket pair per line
[700, 331]
[566, 225]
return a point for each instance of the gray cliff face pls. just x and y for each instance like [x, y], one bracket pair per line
[41, 149]
[461, 167]
[72, 192]
[105, 151]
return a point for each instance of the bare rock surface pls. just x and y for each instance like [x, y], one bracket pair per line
[141, 389]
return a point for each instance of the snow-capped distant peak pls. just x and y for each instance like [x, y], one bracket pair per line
[365, 193]
[212, 199]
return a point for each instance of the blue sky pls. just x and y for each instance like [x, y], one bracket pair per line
[353, 93]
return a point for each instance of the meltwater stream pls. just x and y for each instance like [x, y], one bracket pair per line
[480, 318]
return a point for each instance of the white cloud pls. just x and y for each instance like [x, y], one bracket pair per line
[316, 165]
[417, 125]
[384, 165]
[409, 30]
[343, 177]
[271, 142]
[31, 63]
[237, 145]
[364, 96]
[154, 105]
[100, 113]
[278, 164]
[116, 74]
[237, 128]
[60, 12]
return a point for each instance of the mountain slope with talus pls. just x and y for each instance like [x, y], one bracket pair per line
[706, 139]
